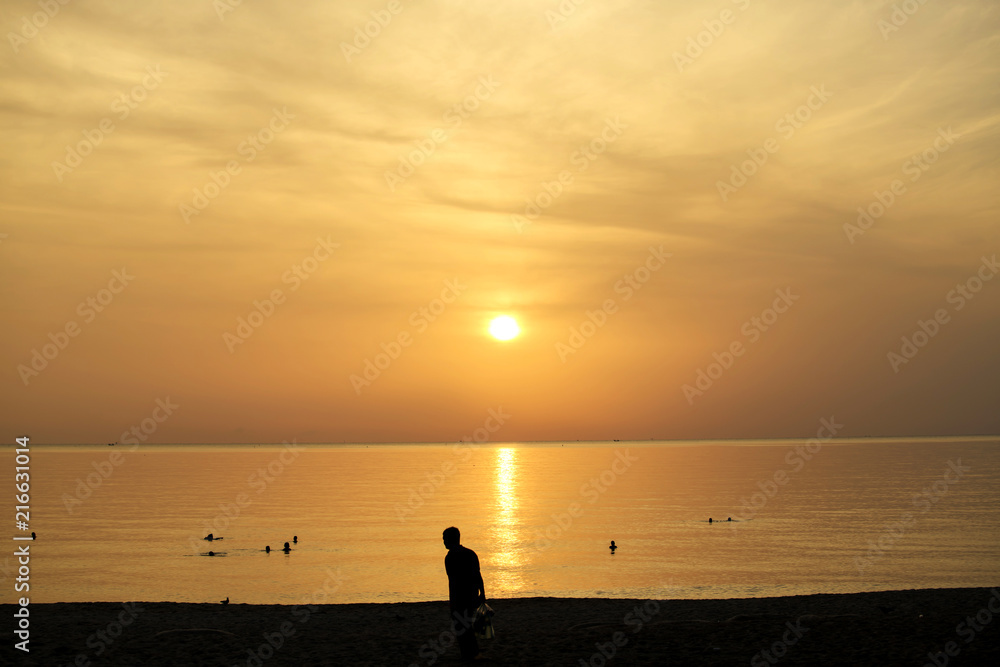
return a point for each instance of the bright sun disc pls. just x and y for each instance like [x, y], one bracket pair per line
[504, 327]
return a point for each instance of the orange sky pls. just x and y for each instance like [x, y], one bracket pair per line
[674, 169]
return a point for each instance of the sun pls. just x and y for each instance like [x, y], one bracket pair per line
[504, 327]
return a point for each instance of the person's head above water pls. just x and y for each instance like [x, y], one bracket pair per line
[268, 548]
[452, 537]
[286, 547]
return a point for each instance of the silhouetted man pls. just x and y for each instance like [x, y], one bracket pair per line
[465, 591]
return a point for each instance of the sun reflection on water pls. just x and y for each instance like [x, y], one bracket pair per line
[507, 559]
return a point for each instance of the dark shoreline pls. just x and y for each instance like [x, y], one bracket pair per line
[882, 628]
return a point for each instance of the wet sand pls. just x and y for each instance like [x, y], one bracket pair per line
[886, 628]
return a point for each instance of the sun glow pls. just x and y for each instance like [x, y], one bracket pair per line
[504, 327]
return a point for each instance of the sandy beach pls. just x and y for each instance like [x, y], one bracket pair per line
[885, 628]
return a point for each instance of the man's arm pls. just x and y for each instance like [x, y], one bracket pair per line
[482, 587]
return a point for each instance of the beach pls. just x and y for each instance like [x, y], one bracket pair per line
[883, 628]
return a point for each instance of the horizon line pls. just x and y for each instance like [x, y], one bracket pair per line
[835, 440]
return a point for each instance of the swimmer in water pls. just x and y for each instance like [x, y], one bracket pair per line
[613, 547]
[287, 548]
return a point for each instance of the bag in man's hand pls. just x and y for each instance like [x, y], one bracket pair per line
[483, 625]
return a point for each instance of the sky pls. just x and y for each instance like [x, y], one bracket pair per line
[263, 222]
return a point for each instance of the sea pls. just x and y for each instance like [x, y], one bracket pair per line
[364, 522]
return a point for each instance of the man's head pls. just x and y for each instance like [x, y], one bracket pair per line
[452, 538]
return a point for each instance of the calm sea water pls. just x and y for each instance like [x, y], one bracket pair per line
[852, 516]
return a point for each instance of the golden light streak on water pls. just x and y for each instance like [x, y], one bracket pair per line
[507, 560]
